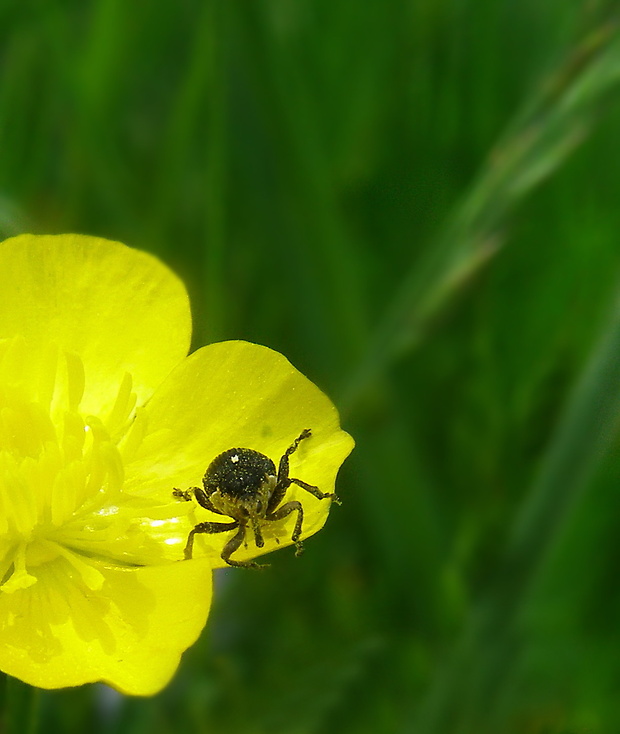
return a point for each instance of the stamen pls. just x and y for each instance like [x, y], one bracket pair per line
[95, 436]
[74, 436]
[47, 377]
[115, 473]
[131, 441]
[20, 578]
[106, 466]
[92, 577]
[123, 406]
[68, 485]
[14, 498]
[62, 474]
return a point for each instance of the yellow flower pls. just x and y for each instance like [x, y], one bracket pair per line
[102, 414]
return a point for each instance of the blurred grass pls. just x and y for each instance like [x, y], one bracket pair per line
[336, 180]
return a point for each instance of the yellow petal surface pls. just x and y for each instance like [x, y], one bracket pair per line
[120, 310]
[130, 633]
[236, 395]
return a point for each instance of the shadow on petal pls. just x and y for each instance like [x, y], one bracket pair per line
[129, 633]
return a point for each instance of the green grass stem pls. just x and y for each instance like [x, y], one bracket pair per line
[467, 691]
[557, 119]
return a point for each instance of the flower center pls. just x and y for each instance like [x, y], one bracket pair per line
[61, 472]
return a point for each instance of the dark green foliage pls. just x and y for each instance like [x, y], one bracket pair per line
[417, 202]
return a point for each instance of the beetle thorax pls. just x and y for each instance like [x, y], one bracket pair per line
[251, 504]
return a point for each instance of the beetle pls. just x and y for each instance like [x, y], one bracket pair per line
[243, 484]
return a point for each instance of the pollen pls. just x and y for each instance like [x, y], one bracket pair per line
[61, 471]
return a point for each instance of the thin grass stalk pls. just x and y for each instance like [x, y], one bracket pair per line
[467, 689]
[559, 117]
[186, 119]
[217, 179]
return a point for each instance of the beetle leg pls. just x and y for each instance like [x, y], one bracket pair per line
[283, 468]
[204, 500]
[278, 494]
[184, 494]
[200, 495]
[315, 491]
[283, 481]
[258, 536]
[206, 527]
[283, 512]
[233, 545]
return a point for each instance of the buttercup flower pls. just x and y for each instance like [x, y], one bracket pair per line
[102, 414]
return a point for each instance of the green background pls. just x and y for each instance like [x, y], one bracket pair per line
[417, 202]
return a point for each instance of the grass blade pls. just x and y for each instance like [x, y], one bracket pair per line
[543, 135]
[484, 658]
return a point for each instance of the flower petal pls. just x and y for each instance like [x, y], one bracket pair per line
[120, 310]
[237, 394]
[130, 633]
